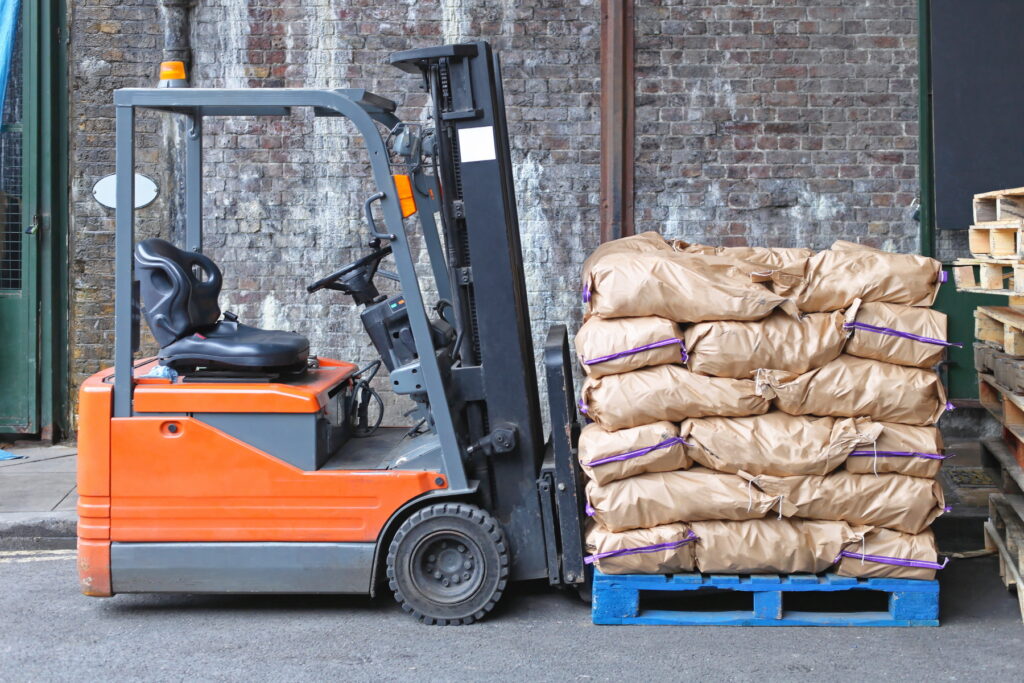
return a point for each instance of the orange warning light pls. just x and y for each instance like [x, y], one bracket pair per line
[172, 71]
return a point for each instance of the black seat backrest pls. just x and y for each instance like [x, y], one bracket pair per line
[178, 302]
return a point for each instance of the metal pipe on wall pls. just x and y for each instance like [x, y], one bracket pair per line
[175, 17]
[178, 155]
[925, 168]
[617, 119]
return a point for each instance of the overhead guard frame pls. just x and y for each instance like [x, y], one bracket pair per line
[365, 110]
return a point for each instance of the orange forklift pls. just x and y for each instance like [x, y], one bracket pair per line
[235, 461]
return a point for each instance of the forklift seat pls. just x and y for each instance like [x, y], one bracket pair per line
[179, 290]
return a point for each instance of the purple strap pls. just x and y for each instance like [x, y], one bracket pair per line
[582, 406]
[638, 452]
[672, 545]
[898, 454]
[645, 347]
[943, 276]
[950, 406]
[586, 293]
[896, 333]
[882, 559]
[589, 509]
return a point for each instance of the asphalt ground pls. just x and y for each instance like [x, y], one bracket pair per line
[51, 632]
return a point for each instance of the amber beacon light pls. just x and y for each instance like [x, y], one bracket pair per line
[172, 75]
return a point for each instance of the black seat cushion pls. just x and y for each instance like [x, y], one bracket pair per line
[178, 302]
[232, 344]
[179, 290]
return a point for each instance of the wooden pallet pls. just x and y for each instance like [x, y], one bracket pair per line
[1003, 404]
[1006, 457]
[990, 276]
[985, 356]
[1004, 534]
[999, 205]
[1002, 239]
[1006, 370]
[616, 600]
[1001, 325]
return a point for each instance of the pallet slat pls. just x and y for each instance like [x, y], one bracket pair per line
[616, 600]
[998, 205]
[997, 240]
[1001, 325]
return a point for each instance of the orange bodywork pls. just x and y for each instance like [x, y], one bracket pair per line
[175, 478]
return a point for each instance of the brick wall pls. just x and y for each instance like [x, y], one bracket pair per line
[786, 122]
[284, 196]
[757, 122]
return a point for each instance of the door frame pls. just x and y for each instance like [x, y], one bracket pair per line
[44, 209]
[54, 196]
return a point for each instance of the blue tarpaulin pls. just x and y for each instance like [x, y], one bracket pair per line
[4, 455]
[8, 29]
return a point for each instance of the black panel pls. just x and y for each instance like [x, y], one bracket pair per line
[482, 235]
[977, 108]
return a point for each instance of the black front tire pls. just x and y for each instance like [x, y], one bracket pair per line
[448, 564]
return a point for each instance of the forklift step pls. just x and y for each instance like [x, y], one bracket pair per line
[762, 600]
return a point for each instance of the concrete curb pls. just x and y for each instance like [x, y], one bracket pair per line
[38, 530]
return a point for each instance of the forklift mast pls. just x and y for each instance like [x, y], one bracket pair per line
[497, 378]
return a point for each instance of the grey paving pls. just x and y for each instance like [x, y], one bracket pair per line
[52, 633]
[38, 497]
[34, 491]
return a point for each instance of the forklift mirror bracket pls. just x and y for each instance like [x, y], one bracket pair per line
[500, 440]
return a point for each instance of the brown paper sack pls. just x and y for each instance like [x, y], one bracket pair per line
[894, 501]
[780, 342]
[609, 347]
[775, 443]
[858, 387]
[648, 500]
[664, 549]
[882, 550]
[922, 322]
[646, 242]
[769, 546]
[607, 456]
[679, 287]
[770, 258]
[902, 449]
[834, 278]
[666, 392]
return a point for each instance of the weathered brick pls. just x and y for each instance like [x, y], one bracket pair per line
[768, 122]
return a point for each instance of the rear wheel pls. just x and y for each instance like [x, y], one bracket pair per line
[448, 564]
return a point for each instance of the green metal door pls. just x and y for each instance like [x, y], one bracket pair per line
[19, 352]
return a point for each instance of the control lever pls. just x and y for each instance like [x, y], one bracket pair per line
[368, 210]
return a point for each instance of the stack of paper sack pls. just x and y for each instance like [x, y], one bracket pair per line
[759, 410]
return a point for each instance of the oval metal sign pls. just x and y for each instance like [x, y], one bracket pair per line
[105, 191]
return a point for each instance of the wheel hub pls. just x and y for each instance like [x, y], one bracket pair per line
[444, 567]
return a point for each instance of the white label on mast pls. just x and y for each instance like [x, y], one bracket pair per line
[476, 144]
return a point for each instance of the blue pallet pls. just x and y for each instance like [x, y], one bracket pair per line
[616, 600]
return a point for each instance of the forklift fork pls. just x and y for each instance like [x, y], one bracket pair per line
[559, 485]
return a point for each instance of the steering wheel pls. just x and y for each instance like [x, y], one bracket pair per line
[354, 277]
